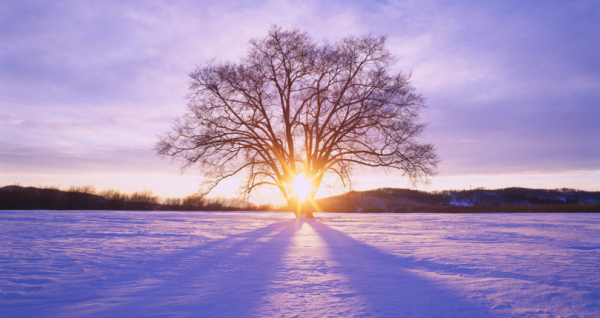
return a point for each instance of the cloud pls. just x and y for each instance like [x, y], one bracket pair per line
[520, 81]
[12, 121]
[512, 86]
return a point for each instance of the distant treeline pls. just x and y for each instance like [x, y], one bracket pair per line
[464, 201]
[380, 200]
[87, 198]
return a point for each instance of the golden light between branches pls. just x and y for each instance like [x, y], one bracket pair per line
[301, 187]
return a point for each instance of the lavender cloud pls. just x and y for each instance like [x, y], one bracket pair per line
[512, 86]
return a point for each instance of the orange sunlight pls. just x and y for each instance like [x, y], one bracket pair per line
[301, 187]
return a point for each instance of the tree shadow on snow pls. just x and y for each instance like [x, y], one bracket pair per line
[388, 285]
[231, 277]
[223, 278]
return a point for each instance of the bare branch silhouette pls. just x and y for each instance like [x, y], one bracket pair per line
[295, 106]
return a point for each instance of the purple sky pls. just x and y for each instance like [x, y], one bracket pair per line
[513, 87]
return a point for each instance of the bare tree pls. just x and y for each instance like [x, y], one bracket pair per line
[295, 108]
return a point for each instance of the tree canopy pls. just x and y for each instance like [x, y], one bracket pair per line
[297, 107]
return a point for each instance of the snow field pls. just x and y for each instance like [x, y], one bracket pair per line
[258, 264]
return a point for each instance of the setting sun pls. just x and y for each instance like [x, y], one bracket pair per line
[301, 187]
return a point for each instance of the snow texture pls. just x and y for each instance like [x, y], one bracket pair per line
[253, 264]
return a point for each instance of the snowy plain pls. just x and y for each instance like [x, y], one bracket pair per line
[259, 264]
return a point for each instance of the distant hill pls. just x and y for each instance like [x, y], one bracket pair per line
[15, 197]
[31, 198]
[380, 200]
[477, 200]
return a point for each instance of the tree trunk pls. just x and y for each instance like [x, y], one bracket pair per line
[300, 208]
[307, 209]
[297, 212]
[296, 206]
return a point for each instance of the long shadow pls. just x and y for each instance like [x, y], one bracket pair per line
[220, 278]
[549, 280]
[230, 282]
[388, 285]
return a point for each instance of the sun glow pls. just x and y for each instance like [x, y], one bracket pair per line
[301, 187]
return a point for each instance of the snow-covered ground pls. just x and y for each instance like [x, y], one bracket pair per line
[190, 264]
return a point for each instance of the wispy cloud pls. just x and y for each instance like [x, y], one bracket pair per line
[512, 86]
